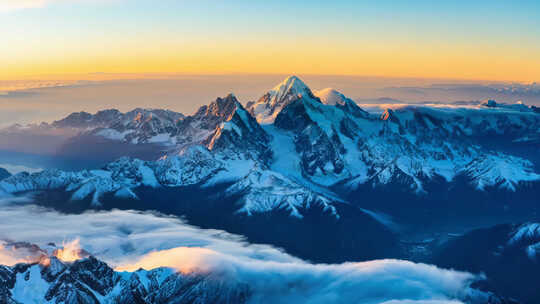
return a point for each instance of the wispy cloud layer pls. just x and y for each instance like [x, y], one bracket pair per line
[12, 5]
[504, 92]
[292, 282]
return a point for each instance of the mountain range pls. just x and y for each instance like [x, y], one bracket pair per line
[90, 280]
[297, 167]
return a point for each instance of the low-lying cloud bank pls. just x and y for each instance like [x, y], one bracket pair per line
[449, 92]
[119, 237]
[130, 240]
[377, 281]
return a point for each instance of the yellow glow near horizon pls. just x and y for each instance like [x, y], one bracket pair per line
[374, 60]
[393, 40]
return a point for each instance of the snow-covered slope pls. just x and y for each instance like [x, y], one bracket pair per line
[500, 170]
[261, 190]
[267, 191]
[332, 97]
[119, 177]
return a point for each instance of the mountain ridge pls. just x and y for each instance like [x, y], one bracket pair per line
[337, 142]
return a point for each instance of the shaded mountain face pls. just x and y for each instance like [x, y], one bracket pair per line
[151, 120]
[4, 173]
[507, 254]
[137, 126]
[83, 140]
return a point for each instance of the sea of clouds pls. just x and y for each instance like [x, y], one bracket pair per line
[129, 240]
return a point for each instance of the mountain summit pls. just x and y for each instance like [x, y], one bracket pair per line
[266, 109]
[330, 96]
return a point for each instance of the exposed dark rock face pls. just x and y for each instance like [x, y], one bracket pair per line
[90, 281]
[507, 254]
[4, 173]
[239, 132]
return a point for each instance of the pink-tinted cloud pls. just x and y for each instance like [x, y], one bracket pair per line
[14, 5]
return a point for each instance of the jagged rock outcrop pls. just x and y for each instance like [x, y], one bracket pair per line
[91, 281]
[4, 173]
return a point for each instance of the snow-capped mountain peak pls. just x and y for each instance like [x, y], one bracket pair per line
[236, 133]
[221, 107]
[291, 84]
[331, 96]
[266, 109]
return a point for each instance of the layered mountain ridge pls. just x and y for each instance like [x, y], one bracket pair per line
[312, 141]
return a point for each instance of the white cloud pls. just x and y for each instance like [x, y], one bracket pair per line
[13, 5]
[14, 169]
[379, 281]
[121, 236]
[129, 240]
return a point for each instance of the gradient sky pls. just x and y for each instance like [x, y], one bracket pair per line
[491, 40]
